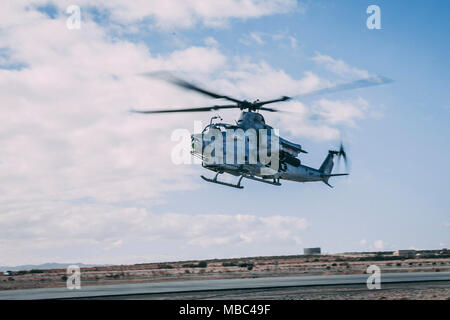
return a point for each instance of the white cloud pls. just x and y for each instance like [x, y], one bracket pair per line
[182, 13]
[195, 59]
[261, 38]
[114, 244]
[165, 14]
[76, 168]
[67, 133]
[68, 123]
[316, 120]
[211, 42]
[339, 67]
[378, 244]
[113, 229]
[341, 112]
[256, 38]
[363, 242]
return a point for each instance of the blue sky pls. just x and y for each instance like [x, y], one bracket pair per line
[87, 182]
[397, 191]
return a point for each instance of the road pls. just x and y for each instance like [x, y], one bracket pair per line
[215, 285]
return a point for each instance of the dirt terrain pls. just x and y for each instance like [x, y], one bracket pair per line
[228, 269]
[393, 291]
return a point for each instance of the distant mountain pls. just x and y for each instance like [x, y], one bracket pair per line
[45, 266]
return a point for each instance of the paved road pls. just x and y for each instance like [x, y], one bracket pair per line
[215, 285]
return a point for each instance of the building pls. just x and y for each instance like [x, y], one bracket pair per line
[309, 251]
[425, 255]
[405, 253]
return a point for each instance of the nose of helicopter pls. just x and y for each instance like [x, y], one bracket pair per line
[196, 142]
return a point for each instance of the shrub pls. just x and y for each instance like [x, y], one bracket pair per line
[201, 264]
[36, 271]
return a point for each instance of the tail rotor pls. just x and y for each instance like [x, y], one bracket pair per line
[342, 154]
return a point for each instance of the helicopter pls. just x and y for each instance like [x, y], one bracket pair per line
[243, 151]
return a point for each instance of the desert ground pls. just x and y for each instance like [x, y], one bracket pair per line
[349, 263]
[439, 290]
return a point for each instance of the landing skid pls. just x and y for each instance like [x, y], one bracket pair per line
[275, 182]
[214, 180]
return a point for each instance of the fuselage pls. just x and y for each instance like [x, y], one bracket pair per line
[300, 174]
[288, 165]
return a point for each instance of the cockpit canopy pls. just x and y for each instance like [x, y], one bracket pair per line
[251, 116]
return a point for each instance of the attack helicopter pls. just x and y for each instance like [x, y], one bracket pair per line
[246, 162]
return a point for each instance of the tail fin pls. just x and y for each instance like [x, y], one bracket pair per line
[327, 164]
[327, 167]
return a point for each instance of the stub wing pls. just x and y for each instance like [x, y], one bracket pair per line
[291, 148]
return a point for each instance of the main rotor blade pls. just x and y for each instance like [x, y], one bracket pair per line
[268, 109]
[362, 83]
[187, 85]
[261, 103]
[201, 109]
